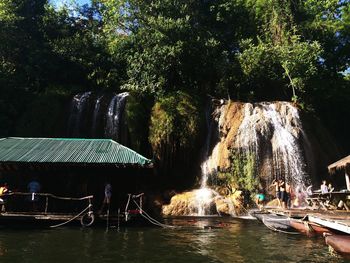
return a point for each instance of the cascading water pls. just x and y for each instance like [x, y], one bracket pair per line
[78, 106]
[287, 155]
[113, 117]
[204, 200]
[95, 115]
[204, 195]
[261, 141]
[272, 131]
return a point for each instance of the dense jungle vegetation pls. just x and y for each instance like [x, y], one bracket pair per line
[172, 54]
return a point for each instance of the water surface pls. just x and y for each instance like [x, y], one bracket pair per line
[194, 240]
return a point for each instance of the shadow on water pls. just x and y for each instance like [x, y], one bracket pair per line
[194, 240]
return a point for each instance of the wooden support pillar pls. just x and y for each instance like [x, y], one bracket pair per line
[46, 204]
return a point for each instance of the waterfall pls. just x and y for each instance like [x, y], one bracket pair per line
[78, 106]
[272, 131]
[210, 161]
[114, 115]
[204, 195]
[255, 142]
[95, 115]
[287, 154]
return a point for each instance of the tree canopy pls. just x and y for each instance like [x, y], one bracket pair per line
[252, 50]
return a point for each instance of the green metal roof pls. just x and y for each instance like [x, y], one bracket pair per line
[72, 151]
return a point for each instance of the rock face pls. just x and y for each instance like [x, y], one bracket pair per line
[255, 144]
[271, 135]
[201, 202]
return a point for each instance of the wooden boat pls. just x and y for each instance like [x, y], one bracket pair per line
[306, 227]
[340, 243]
[275, 222]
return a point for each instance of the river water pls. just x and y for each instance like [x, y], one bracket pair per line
[194, 240]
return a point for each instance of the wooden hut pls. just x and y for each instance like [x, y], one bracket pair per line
[342, 164]
[69, 168]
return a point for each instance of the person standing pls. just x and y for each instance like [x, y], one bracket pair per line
[3, 191]
[107, 197]
[288, 195]
[34, 187]
[282, 186]
[275, 183]
[324, 187]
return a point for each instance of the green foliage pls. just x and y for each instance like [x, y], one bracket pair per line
[138, 110]
[293, 63]
[33, 123]
[241, 175]
[244, 171]
[243, 49]
[174, 127]
[184, 45]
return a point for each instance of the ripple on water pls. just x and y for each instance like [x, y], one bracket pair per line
[196, 240]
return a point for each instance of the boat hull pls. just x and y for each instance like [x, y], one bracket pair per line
[308, 228]
[340, 243]
[275, 222]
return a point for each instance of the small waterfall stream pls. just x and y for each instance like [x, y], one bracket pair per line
[95, 115]
[113, 117]
[78, 107]
[204, 195]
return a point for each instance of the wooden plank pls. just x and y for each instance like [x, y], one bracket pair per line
[336, 224]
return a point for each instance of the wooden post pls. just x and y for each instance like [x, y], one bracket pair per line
[46, 204]
[141, 204]
[347, 179]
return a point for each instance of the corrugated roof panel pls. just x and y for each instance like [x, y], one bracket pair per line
[53, 150]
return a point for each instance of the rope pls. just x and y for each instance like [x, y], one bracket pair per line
[150, 219]
[51, 195]
[75, 217]
[279, 230]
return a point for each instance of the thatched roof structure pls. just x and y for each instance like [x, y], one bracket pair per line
[341, 164]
